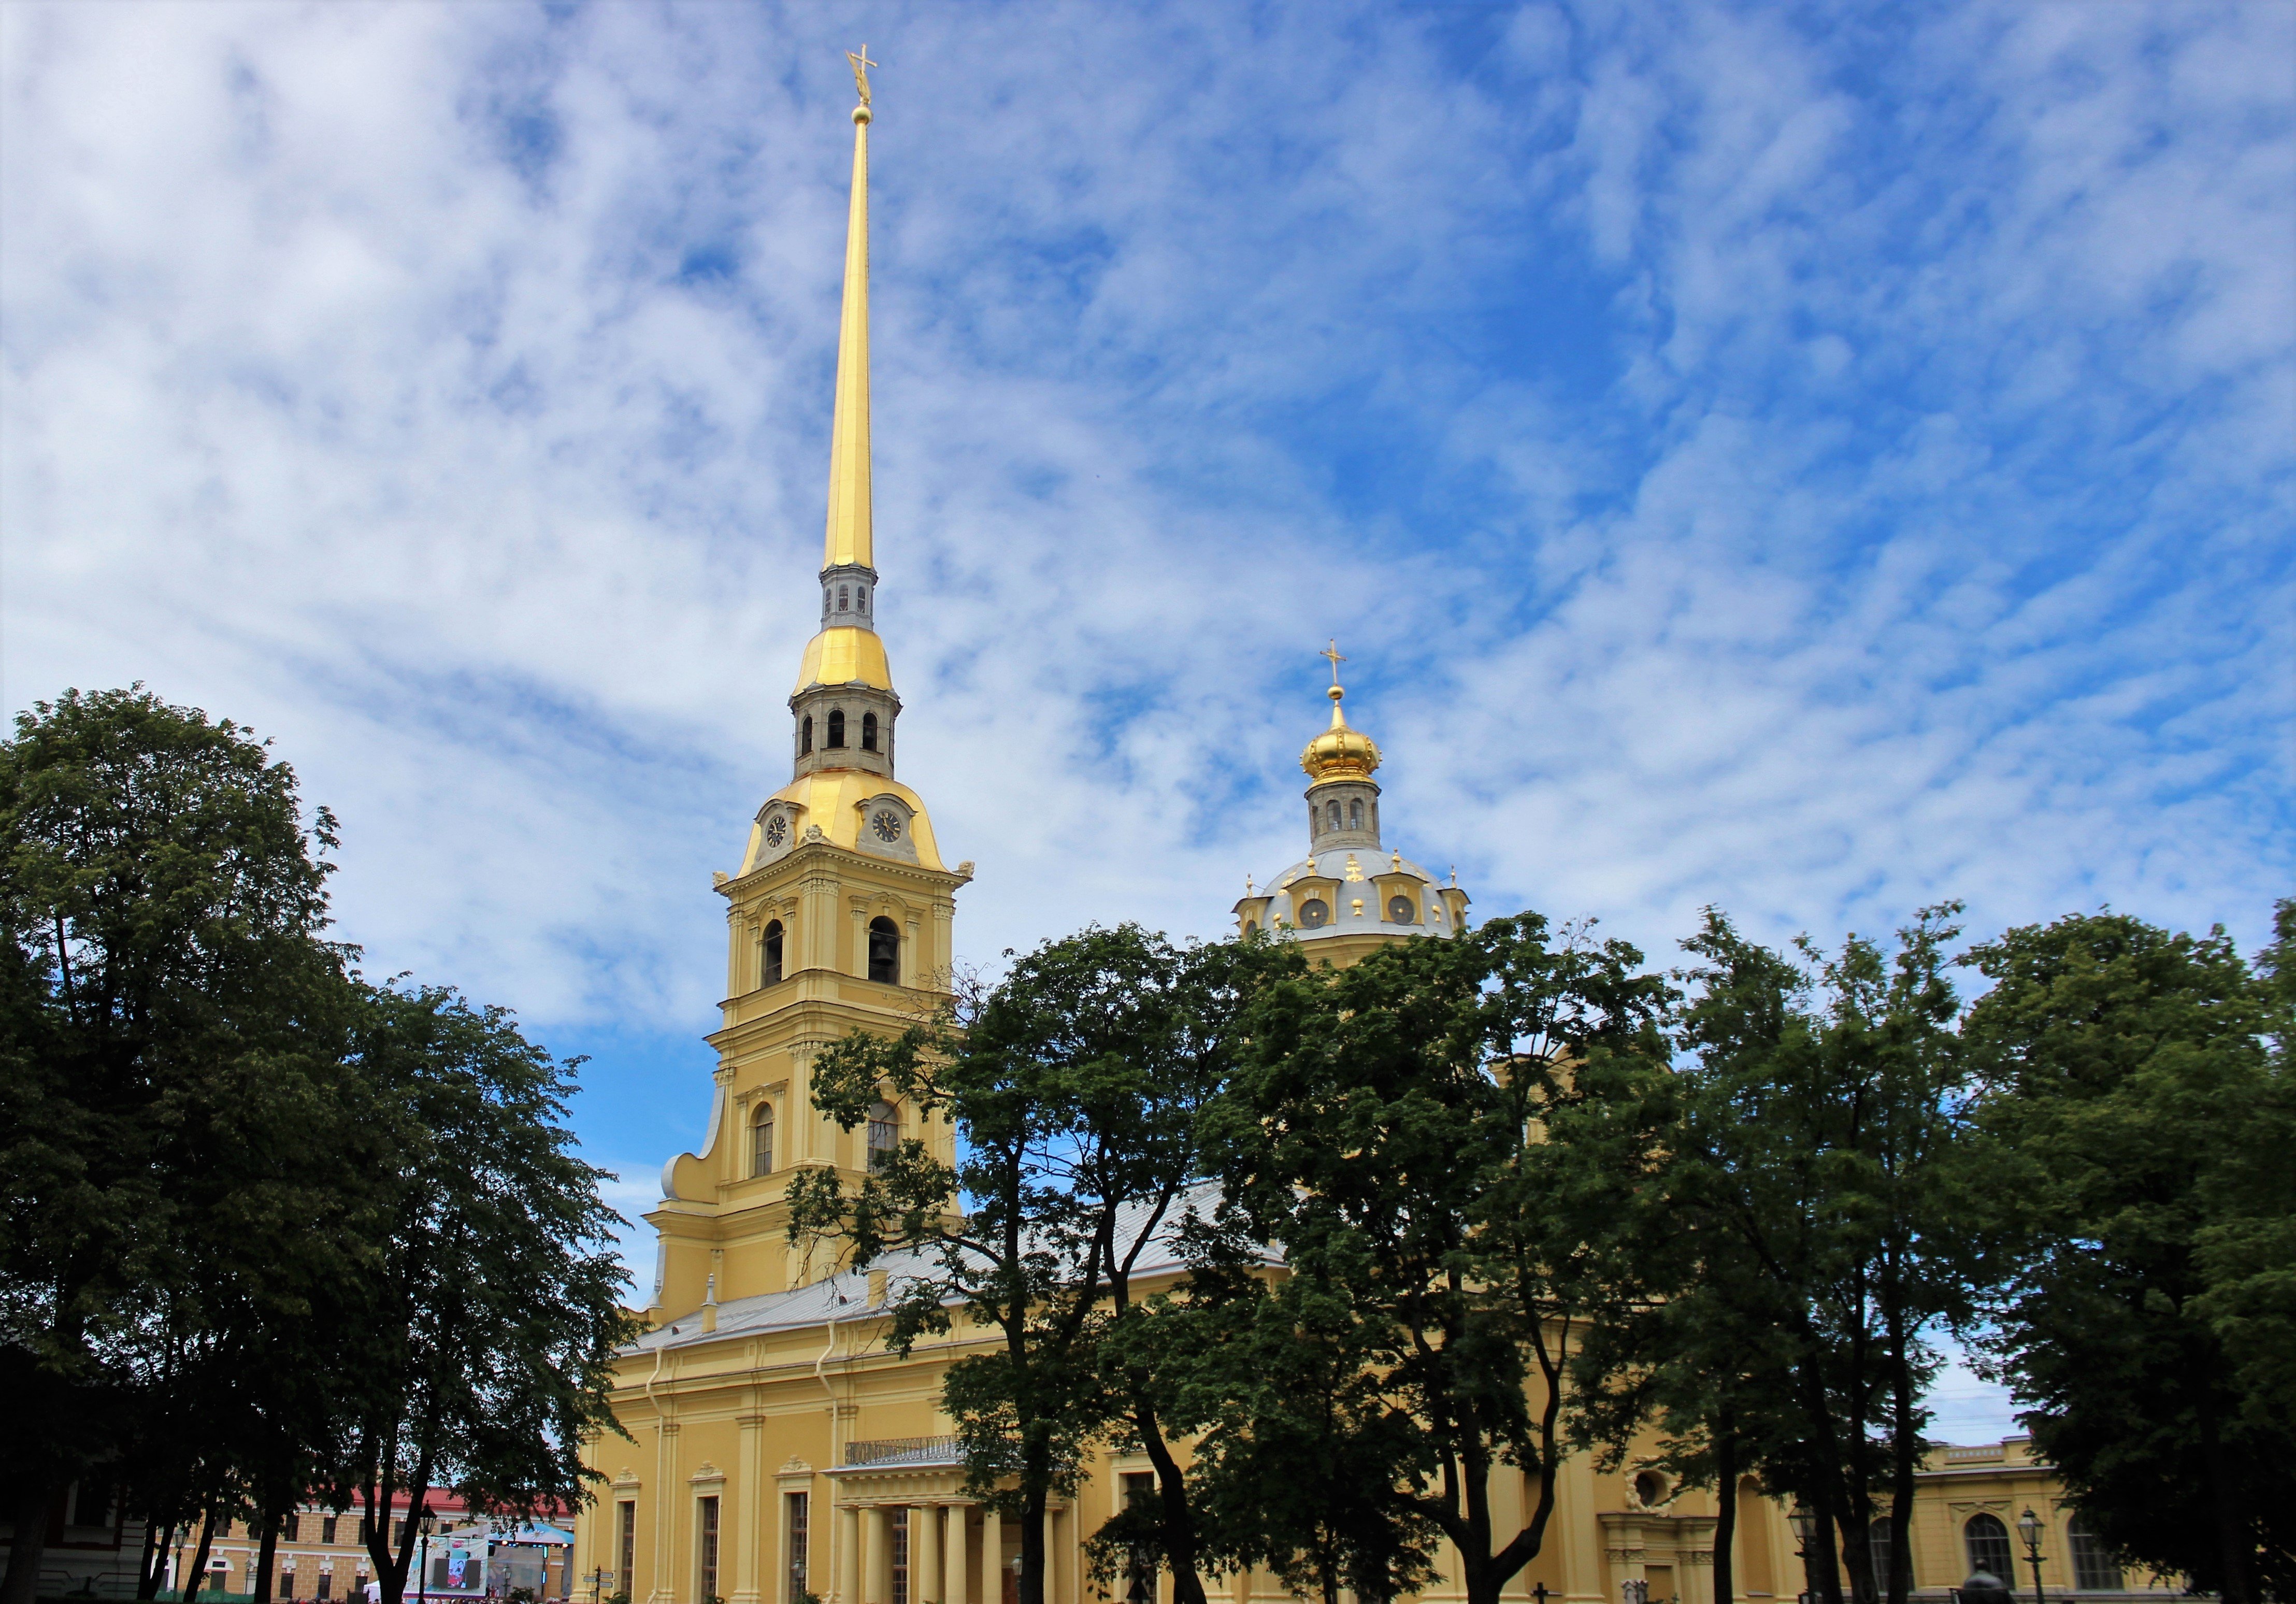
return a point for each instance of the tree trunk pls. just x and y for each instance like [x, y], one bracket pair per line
[1825, 1565]
[156, 1536]
[266, 1550]
[198, 1573]
[1177, 1520]
[2227, 1504]
[1032, 1545]
[1725, 1504]
[1905, 1449]
[30, 1544]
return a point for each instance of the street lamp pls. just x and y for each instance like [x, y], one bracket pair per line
[2029, 1527]
[428, 1524]
[1805, 1531]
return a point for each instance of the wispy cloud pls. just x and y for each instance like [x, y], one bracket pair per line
[1818, 463]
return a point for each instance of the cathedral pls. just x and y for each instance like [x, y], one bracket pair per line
[777, 1452]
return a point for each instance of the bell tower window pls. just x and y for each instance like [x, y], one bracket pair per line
[868, 732]
[761, 1141]
[884, 952]
[836, 727]
[844, 599]
[1355, 814]
[1331, 815]
[884, 1135]
[860, 598]
[769, 955]
[805, 734]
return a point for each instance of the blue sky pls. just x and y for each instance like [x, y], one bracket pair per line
[1815, 460]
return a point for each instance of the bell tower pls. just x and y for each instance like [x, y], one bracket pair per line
[840, 917]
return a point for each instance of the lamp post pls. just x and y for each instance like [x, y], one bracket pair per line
[428, 1524]
[1805, 1531]
[2029, 1527]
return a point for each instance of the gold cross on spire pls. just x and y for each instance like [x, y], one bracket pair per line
[1332, 652]
[861, 65]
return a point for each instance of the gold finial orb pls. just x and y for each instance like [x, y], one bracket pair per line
[862, 114]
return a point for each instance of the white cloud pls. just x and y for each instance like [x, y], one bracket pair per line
[1816, 472]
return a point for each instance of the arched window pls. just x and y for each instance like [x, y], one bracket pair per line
[836, 727]
[1877, 1544]
[868, 732]
[843, 599]
[860, 598]
[884, 952]
[805, 734]
[1314, 913]
[1399, 911]
[1649, 1489]
[761, 1141]
[2097, 1569]
[1988, 1543]
[769, 954]
[884, 1134]
[1355, 814]
[1251, 928]
[1332, 816]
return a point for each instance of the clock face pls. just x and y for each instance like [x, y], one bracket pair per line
[887, 824]
[777, 830]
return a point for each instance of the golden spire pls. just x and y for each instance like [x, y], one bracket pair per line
[1339, 752]
[849, 535]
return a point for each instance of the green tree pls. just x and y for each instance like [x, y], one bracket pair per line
[2135, 1085]
[490, 1310]
[1386, 1132]
[1295, 1440]
[168, 1016]
[1075, 1085]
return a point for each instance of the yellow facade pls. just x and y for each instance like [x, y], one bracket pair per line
[1967, 1504]
[775, 1448]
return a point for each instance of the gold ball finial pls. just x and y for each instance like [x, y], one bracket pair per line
[1335, 693]
[862, 114]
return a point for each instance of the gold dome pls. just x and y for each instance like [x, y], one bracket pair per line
[1339, 752]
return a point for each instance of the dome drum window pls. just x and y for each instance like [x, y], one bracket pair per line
[1314, 913]
[1401, 911]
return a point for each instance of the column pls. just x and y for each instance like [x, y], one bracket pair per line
[924, 1554]
[958, 1568]
[847, 1589]
[876, 1556]
[992, 1557]
[752, 1509]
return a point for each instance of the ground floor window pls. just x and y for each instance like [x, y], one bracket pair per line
[706, 1527]
[2097, 1569]
[1988, 1543]
[795, 1502]
[626, 1557]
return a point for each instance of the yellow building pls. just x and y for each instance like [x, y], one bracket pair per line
[779, 1449]
[1969, 1505]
